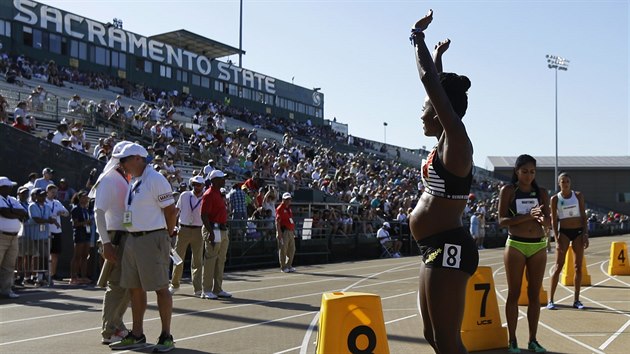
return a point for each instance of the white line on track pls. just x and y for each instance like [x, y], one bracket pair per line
[524, 315]
[614, 336]
[210, 310]
[311, 326]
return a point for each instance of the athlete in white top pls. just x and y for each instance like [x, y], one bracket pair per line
[569, 225]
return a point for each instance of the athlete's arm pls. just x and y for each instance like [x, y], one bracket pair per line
[438, 51]
[459, 159]
[554, 217]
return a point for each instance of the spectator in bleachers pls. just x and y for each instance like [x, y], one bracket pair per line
[60, 133]
[21, 109]
[4, 106]
[45, 180]
[64, 192]
[19, 124]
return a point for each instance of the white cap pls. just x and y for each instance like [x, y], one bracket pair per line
[5, 182]
[132, 149]
[386, 224]
[286, 195]
[216, 174]
[119, 146]
[197, 179]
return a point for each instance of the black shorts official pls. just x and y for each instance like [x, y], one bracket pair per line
[454, 249]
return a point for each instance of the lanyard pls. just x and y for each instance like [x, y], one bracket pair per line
[42, 210]
[52, 206]
[86, 215]
[132, 191]
[196, 205]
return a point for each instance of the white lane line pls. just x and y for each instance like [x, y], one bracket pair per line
[179, 315]
[615, 335]
[311, 326]
[524, 315]
[191, 298]
[401, 319]
[288, 350]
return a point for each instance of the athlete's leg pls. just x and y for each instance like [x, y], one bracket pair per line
[535, 273]
[446, 290]
[424, 308]
[578, 252]
[561, 251]
[514, 262]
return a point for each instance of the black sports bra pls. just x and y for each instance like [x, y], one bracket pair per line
[438, 181]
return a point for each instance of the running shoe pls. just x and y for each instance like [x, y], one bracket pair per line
[224, 294]
[578, 305]
[209, 295]
[165, 344]
[551, 306]
[513, 347]
[116, 337]
[291, 269]
[285, 270]
[198, 293]
[533, 346]
[130, 342]
[10, 295]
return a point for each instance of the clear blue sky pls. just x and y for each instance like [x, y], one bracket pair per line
[358, 52]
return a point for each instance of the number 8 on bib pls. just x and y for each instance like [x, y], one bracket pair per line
[452, 256]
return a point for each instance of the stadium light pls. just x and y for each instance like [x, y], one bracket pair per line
[556, 63]
[385, 133]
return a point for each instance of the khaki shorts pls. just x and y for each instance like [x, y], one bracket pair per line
[146, 260]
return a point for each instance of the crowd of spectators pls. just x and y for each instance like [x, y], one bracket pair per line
[373, 190]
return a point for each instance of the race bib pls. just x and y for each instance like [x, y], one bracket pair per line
[452, 256]
[127, 219]
[523, 206]
[570, 211]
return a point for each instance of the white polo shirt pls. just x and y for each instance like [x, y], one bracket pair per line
[382, 235]
[189, 209]
[57, 210]
[149, 194]
[10, 225]
[111, 195]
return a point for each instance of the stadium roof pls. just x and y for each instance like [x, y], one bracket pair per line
[573, 162]
[197, 44]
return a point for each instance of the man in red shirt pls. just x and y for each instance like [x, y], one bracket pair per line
[215, 236]
[285, 234]
[19, 124]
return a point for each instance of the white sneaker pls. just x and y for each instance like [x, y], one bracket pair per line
[291, 269]
[116, 337]
[284, 270]
[198, 293]
[396, 255]
[172, 290]
[224, 294]
[209, 295]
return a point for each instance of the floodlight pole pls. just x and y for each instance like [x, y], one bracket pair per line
[240, 37]
[555, 62]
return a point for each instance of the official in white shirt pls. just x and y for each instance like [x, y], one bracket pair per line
[11, 211]
[58, 210]
[189, 205]
[110, 193]
[150, 217]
